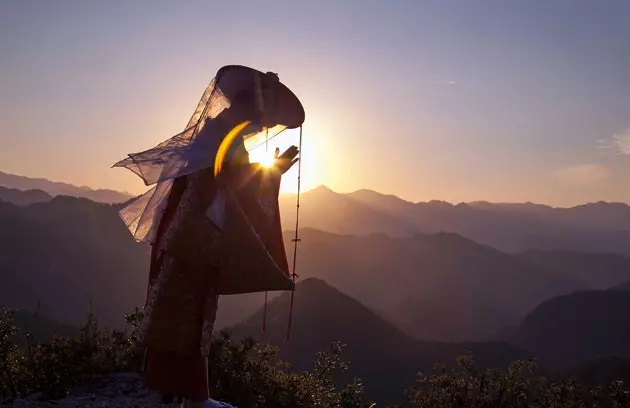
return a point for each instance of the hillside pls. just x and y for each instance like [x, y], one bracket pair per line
[593, 270]
[571, 330]
[23, 198]
[439, 287]
[601, 372]
[326, 210]
[41, 328]
[380, 354]
[55, 188]
[67, 252]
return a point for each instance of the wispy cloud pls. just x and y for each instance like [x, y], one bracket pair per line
[445, 82]
[581, 174]
[619, 142]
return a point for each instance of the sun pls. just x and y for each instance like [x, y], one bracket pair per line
[311, 167]
[265, 158]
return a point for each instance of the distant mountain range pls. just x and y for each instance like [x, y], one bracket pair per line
[595, 227]
[67, 252]
[54, 188]
[412, 270]
[23, 198]
[438, 286]
[592, 270]
[592, 227]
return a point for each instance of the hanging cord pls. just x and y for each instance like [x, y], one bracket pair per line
[264, 328]
[296, 239]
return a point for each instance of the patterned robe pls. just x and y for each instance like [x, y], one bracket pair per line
[193, 260]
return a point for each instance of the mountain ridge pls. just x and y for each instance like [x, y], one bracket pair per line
[431, 285]
[24, 183]
[322, 315]
[412, 276]
[594, 227]
[576, 328]
[56, 188]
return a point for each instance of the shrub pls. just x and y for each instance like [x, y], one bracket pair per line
[12, 360]
[54, 368]
[520, 387]
[250, 374]
[263, 381]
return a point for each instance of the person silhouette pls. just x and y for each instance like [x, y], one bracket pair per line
[214, 233]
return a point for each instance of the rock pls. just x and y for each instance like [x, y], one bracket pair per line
[118, 390]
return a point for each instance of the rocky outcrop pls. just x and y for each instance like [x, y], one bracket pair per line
[120, 390]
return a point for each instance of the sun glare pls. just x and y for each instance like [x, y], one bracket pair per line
[265, 158]
[312, 169]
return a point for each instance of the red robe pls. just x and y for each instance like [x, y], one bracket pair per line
[193, 261]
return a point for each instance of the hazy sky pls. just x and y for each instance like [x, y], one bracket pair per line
[457, 100]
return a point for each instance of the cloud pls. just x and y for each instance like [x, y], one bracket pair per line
[620, 142]
[581, 174]
[445, 82]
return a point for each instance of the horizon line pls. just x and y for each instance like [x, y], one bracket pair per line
[325, 187]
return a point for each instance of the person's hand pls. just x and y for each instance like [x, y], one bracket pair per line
[286, 160]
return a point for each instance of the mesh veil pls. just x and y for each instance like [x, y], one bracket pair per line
[191, 150]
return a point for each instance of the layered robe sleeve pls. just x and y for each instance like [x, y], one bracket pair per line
[254, 257]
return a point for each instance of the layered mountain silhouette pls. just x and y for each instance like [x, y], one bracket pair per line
[595, 227]
[593, 270]
[417, 268]
[440, 286]
[54, 188]
[385, 358]
[66, 253]
[22, 198]
[571, 330]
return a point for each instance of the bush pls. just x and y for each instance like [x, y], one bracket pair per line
[520, 387]
[12, 361]
[261, 380]
[54, 368]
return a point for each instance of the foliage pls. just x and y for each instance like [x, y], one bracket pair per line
[519, 387]
[263, 381]
[11, 359]
[53, 368]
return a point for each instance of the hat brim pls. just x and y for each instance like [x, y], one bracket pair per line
[280, 105]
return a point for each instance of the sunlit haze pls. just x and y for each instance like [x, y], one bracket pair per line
[504, 101]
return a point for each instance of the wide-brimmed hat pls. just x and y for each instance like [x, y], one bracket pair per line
[278, 104]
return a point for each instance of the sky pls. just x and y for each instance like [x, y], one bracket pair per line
[505, 101]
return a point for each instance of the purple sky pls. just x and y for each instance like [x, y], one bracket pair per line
[500, 100]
